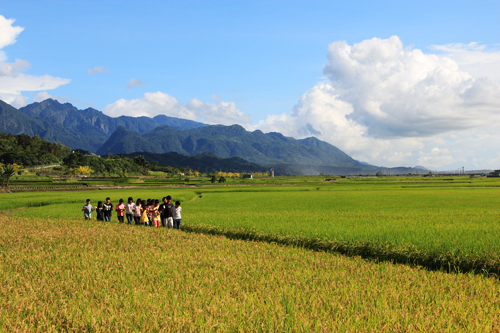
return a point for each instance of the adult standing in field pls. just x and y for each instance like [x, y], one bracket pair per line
[167, 212]
[108, 209]
[129, 210]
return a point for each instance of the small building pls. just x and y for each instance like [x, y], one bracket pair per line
[247, 176]
[495, 173]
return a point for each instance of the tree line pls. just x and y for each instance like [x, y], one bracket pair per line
[18, 152]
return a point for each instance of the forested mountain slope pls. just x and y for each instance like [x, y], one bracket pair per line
[228, 141]
[94, 124]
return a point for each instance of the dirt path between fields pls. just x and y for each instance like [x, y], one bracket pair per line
[14, 188]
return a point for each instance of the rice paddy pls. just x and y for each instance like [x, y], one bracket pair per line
[75, 275]
[59, 272]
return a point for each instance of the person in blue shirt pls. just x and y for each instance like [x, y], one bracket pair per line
[87, 210]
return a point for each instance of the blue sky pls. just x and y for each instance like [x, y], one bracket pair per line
[263, 64]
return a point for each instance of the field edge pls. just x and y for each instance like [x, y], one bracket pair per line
[408, 255]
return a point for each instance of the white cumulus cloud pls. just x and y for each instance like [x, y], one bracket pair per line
[474, 58]
[12, 79]
[8, 32]
[153, 104]
[382, 102]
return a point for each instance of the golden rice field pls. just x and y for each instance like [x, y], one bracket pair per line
[75, 275]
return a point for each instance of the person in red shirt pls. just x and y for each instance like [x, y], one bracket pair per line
[120, 211]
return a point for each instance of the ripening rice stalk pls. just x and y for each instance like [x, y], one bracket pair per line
[76, 275]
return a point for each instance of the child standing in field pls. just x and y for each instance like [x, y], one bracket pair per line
[100, 211]
[137, 212]
[120, 211]
[177, 215]
[156, 214]
[129, 210]
[144, 213]
[87, 210]
[150, 214]
[108, 209]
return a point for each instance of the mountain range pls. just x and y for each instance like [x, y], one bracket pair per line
[96, 132]
[269, 149]
[85, 129]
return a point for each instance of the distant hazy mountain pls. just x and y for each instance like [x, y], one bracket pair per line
[228, 141]
[367, 164]
[421, 168]
[92, 124]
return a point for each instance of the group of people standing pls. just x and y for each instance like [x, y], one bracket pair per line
[143, 212]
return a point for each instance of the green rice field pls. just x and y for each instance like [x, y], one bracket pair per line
[397, 254]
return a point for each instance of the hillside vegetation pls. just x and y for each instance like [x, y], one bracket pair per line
[30, 151]
[206, 162]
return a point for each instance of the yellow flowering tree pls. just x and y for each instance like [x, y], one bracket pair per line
[84, 170]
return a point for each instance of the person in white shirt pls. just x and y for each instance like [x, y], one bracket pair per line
[129, 210]
[177, 215]
[87, 210]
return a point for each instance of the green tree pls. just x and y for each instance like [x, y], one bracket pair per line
[7, 172]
